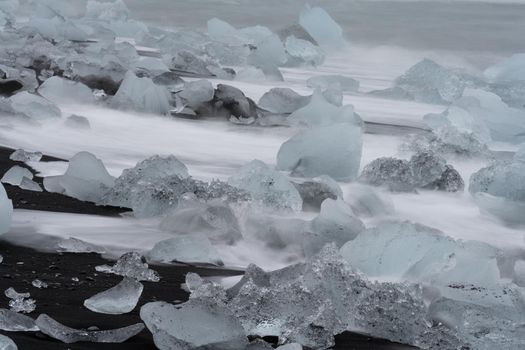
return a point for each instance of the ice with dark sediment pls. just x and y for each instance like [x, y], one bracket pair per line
[12, 321]
[60, 90]
[333, 150]
[68, 335]
[267, 186]
[6, 211]
[7, 343]
[315, 191]
[338, 82]
[20, 302]
[189, 248]
[131, 265]
[117, 300]
[15, 175]
[194, 324]
[322, 28]
[86, 178]
[21, 155]
[75, 245]
[33, 107]
[214, 219]
[235, 101]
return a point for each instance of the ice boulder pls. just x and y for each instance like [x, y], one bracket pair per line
[267, 186]
[333, 150]
[117, 300]
[190, 248]
[86, 178]
[507, 70]
[315, 191]
[196, 93]
[323, 29]
[282, 101]
[338, 82]
[194, 324]
[33, 106]
[15, 175]
[303, 52]
[268, 53]
[142, 95]
[60, 90]
[6, 210]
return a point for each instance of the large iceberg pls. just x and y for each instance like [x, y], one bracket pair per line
[323, 29]
[333, 150]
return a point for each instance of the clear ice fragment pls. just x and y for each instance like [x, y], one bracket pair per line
[16, 174]
[131, 265]
[12, 321]
[21, 155]
[117, 300]
[189, 248]
[75, 245]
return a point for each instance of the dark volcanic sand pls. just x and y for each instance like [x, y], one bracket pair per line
[64, 298]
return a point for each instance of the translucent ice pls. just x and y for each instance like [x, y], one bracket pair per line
[131, 265]
[197, 92]
[190, 248]
[117, 300]
[141, 94]
[6, 343]
[338, 82]
[367, 201]
[74, 245]
[86, 178]
[30, 185]
[33, 106]
[15, 175]
[267, 186]
[60, 90]
[68, 335]
[510, 69]
[14, 322]
[21, 155]
[194, 324]
[333, 150]
[20, 302]
[325, 31]
[39, 284]
[282, 100]
[302, 52]
[6, 210]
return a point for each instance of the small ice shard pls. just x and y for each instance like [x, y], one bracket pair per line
[11, 321]
[194, 324]
[214, 219]
[39, 284]
[86, 178]
[30, 185]
[320, 112]
[367, 201]
[190, 248]
[6, 211]
[34, 106]
[5, 342]
[78, 122]
[20, 302]
[282, 100]
[303, 52]
[60, 90]
[267, 186]
[325, 31]
[333, 150]
[21, 155]
[338, 82]
[131, 265]
[118, 300]
[507, 70]
[15, 175]
[197, 92]
[315, 191]
[75, 245]
[68, 335]
[142, 95]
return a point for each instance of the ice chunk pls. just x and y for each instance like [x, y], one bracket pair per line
[6, 210]
[107, 11]
[142, 95]
[315, 191]
[118, 300]
[30, 185]
[39, 284]
[268, 55]
[519, 273]
[86, 178]
[234, 100]
[152, 65]
[60, 90]
[75, 245]
[338, 82]
[508, 70]
[20, 302]
[303, 52]
[131, 265]
[325, 31]
[194, 324]
[78, 122]
[366, 201]
[320, 112]
[329, 150]
[282, 100]
[11, 321]
[21, 155]
[33, 106]
[275, 231]
[267, 186]
[215, 220]
[292, 346]
[191, 248]
[251, 74]
[6, 343]
[68, 335]
[15, 175]
[197, 92]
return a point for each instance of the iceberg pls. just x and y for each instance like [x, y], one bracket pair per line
[189, 248]
[131, 265]
[60, 90]
[267, 186]
[11, 321]
[21, 155]
[338, 82]
[333, 150]
[117, 300]
[15, 175]
[322, 28]
[68, 335]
